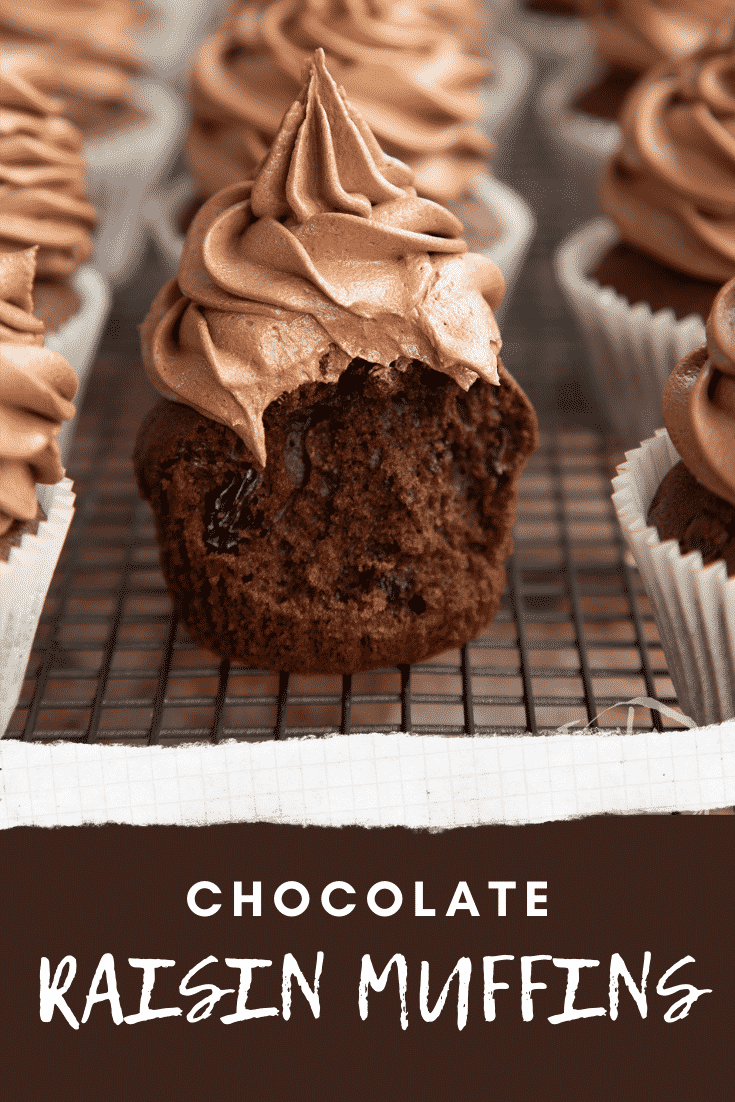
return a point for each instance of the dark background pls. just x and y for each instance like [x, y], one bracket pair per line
[622, 885]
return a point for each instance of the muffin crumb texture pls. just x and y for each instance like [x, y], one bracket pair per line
[376, 535]
[699, 520]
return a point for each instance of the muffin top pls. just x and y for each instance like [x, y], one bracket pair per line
[637, 34]
[671, 186]
[43, 194]
[83, 47]
[327, 256]
[699, 402]
[36, 389]
[402, 70]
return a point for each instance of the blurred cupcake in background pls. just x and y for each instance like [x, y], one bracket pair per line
[406, 75]
[417, 91]
[675, 499]
[83, 52]
[86, 54]
[642, 282]
[44, 202]
[550, 29]
[36, 501]
[581, 105]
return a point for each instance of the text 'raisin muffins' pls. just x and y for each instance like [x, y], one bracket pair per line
[333, 472]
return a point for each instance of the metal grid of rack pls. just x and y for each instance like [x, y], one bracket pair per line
[574, 635]
[573, 638]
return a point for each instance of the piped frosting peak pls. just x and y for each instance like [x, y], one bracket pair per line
[328, 256]
[404, 73]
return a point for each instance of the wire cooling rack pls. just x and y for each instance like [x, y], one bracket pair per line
[573, 638]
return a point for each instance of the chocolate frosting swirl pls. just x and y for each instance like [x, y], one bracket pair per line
[43, 195]
[699, 402]
[405, 75]
[328, 256]
[83, 46]
[36, 388]
[638, 34]
[671, 187]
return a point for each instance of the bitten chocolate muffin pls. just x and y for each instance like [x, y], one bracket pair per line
[695, 503]
[375, 535]
[333, 473]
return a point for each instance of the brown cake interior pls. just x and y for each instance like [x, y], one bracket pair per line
[640, 278]
[376, 534]
[684, 510]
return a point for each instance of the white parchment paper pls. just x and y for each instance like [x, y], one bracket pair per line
[373, 780]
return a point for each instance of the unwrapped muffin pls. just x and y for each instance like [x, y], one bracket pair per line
[333, 473]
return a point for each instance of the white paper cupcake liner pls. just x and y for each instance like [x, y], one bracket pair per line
[585, 144]
[123, 167]
[24, 582]
[508, 251]
[694, 605]
[78, 338]
[544, 35]
[632, 351]
[162, 212]
[505, 96]
[518, 227]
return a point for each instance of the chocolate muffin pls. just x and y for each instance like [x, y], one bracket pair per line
[671, 187]
[375, 535]
[633, 36]
[333, 474]
[36, 389]
[43, 193]
[82, 51]
[695, 503]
